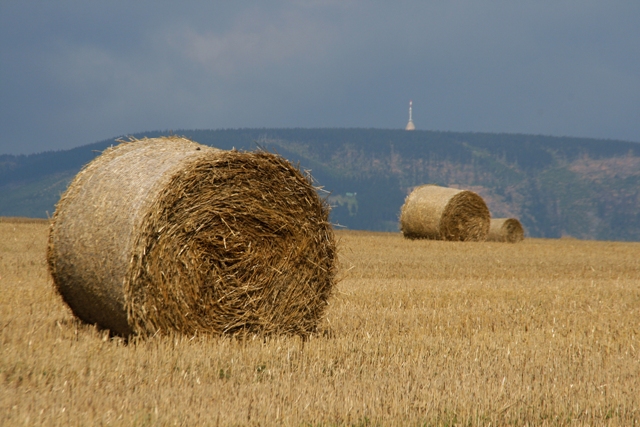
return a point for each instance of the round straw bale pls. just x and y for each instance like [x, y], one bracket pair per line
[505, 230]
[441, 213]
[164, 234]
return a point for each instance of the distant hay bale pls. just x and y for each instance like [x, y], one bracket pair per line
[441, 213]
[169, 235]
[505, 230]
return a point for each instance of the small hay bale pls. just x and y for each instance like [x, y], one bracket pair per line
[505, 230]
[164, 234]
[441, 213]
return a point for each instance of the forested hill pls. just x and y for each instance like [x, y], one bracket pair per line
[557, 186]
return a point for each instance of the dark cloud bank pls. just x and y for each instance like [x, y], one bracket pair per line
[72, 73]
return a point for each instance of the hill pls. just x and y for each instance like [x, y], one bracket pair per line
[556, 186]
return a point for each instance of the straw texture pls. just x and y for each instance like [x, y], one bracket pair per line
[508, 230]
[168, 235]
[441, 213]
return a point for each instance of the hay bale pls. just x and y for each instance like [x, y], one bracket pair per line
[166, 235]
[441, 213]
[505, 230]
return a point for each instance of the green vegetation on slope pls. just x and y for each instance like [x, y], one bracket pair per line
[556, 186]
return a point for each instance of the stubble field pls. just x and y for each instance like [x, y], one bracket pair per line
[543, 332]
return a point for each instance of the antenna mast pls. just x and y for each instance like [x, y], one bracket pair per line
[410, 125]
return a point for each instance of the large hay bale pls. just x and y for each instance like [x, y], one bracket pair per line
[505, 230]
[168, 235]
[441, 213]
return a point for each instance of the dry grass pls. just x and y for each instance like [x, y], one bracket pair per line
[419, 333]
[23, 220]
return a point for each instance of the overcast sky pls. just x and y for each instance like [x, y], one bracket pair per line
[76, 72]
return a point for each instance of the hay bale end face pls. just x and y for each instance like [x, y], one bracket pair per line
[441, 213]
[508, 230]
[169, 235]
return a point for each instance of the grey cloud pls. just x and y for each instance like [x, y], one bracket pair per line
[72, 73]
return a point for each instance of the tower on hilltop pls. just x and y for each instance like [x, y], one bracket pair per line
[410, 125]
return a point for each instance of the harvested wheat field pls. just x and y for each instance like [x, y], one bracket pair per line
[418, 332]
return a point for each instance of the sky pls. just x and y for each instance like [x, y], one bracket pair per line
[76, 72]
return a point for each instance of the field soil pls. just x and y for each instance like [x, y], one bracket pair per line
[542, 332]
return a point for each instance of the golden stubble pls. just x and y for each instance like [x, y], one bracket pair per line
[543, 332]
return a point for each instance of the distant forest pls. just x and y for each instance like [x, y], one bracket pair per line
[557, 186]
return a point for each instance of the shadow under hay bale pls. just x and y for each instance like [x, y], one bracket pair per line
[441, 213]
[508, 230]
[168, 235]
